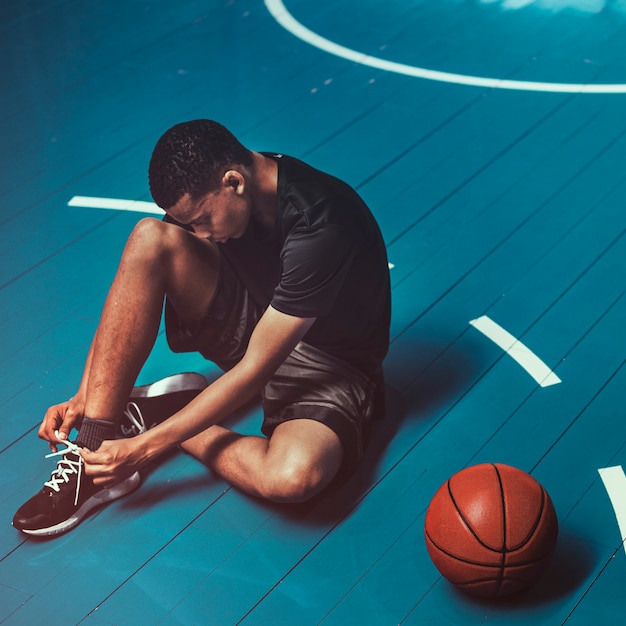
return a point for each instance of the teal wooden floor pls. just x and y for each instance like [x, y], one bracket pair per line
[501, 202]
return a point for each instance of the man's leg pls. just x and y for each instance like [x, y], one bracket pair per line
[335, 403]
[159, 259]
[298, 461]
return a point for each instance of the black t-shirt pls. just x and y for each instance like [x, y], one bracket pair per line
[324, 258]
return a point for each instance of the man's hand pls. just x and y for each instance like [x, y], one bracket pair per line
[115, 460]
[59, 421]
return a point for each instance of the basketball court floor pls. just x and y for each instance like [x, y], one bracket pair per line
[489, 139]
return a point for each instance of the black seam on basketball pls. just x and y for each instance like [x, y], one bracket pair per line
[535, 526]
[458, 558]
[479, 563]
[523, 583]
[503, 514]
[512, 566]
[464, 520]
[533, 530]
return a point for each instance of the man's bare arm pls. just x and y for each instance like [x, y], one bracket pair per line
[274, 337]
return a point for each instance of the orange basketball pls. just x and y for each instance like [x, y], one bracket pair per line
[491, 529]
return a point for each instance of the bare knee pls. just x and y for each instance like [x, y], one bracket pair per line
[169, 252]
[143, 248]
[151, 236]
[296, 481]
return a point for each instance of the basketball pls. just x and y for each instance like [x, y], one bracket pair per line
[491, 530]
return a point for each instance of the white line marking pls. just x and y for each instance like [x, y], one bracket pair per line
[118, 205]
[516, 350]
[289, 23]
[615, 484]
[89, 202]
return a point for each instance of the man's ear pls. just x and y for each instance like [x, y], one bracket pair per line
[234, 180]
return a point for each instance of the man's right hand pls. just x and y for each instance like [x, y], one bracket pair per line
[62, 418]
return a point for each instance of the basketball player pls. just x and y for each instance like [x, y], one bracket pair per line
[275, 271]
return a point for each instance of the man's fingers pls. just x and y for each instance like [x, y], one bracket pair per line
[62, 418]
[64, 432]
[110, 463]
[96, 463]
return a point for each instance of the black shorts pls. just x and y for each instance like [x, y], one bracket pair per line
[310, 383]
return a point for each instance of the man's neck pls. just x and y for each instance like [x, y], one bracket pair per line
[265, 191]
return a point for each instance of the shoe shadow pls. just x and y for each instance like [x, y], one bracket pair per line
[148, 496]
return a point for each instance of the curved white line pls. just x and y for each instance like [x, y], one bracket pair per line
[289, 23]
[517, 351]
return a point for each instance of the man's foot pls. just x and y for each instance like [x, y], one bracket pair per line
[152, 404]
[67, 497]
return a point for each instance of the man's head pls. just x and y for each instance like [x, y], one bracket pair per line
[192, 158]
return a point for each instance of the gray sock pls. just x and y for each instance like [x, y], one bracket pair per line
[93, 432]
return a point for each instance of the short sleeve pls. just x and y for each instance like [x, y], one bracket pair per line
[314, 265]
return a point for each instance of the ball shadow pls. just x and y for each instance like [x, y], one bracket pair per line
[571, 564]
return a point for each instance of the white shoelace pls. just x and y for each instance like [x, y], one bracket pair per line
[133, 413]
[66, 467]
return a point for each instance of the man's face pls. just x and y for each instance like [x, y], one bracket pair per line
[218, 215]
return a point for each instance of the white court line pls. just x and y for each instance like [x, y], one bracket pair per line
[516, 350]
[118, 205]
[615, 484]
[140, 206]
[289, 23]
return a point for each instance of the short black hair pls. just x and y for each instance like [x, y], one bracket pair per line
[192, 157]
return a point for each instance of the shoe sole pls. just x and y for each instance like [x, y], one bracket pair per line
[102, 497]
[189, 381]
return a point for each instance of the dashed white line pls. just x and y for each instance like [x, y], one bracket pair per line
[90, 202]
[118, 205]
[517, 351]
[615, 484]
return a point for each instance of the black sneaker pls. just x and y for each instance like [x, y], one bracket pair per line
[152, 404]
[67, 497]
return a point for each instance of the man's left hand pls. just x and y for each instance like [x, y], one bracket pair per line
[115, 460]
